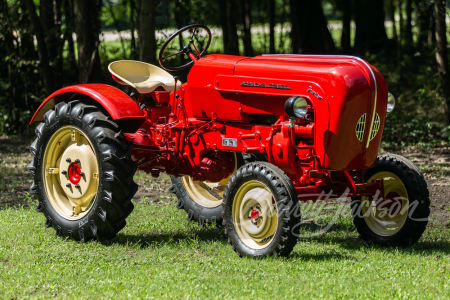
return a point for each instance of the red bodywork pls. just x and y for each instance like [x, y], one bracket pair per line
[236, 104]
[118, 105]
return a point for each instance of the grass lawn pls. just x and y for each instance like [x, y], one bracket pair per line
[160, 255]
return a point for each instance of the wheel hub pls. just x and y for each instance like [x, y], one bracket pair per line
[392, 203]
[74, 173]
[81, 165]
[71, 172]
[387, 216]
[254, 214]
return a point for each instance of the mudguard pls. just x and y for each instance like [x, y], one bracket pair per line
[119, 105]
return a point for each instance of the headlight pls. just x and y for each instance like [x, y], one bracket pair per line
[296, 107]
[390, 103]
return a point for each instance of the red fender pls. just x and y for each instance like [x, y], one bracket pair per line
[119, 105]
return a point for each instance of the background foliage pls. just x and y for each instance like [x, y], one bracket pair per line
[44, 46]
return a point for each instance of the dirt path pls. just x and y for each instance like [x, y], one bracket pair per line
[15, 181]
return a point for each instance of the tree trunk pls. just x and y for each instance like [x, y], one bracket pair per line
[272, 26]
[133, 54]
[46, 71]
[68, 10]
[87, 30]
[408, 26]
[246, 21]
[401, 22]
[441, 56]
[294, 6]
[282, 37]
[50, 16]
[346, 8]
[147, 38]
[229, 26]
[392, 17]
[314, 34]
[369, 19]
[431, 28]
[423, 17]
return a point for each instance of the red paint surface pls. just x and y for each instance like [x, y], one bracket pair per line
[118, 104]
[254, 214]
[74, 173]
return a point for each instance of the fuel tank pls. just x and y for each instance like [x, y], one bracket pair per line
[349, 98]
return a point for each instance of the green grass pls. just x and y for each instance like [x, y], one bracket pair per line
[160, 255]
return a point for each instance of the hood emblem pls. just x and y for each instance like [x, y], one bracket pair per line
[264, 85]
[310, 90]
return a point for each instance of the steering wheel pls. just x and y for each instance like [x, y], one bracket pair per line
[186, 49]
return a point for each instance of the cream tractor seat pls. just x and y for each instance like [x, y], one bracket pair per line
[144, 77]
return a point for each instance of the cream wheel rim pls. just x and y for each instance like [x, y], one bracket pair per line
[386, 220]
[255, 215]
[207, 194]
[70, 173]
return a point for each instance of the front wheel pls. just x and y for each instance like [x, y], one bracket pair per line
[400, 218]
[83, 172]
[261, 213]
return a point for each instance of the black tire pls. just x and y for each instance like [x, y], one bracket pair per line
[286, 235]
[416, 187]
[116, 187]
[195, 211]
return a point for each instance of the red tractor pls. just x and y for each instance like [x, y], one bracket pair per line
[244, 139]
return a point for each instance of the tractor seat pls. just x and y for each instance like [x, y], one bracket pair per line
[144, 77]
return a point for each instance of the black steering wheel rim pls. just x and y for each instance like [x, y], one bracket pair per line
[185, 48]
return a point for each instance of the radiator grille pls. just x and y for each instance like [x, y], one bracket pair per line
[376, 126]
[360, 126]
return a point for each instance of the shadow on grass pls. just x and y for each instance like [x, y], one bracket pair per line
[15, 144]
[144, 240]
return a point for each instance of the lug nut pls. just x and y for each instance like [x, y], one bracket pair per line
[260, 217]
[77, 161]
[64, 172]
[249, 217]
[251, 207]
[68, 185]
[68, 160]
[258, 208]
[255, 223]
[77, 186]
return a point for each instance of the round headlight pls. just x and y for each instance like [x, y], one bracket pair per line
[296, 107]
[390, 103]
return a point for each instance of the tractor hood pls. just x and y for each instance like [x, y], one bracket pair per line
[349, 98]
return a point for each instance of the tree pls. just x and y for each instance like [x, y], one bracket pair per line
[246, 22]
[147, 37]
[345, 6]
[391, 13]
[408, 26]
[369, 19]
[87, 30]
[423, 22]
[51, 84]
[401, 22]
[229, 28]
[272, 26]
[442, 56]
[310, 32]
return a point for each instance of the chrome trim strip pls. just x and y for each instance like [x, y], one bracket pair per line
[351, 57]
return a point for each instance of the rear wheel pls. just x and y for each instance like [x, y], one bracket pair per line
[202, 200]
[83, 172]
[402, 216]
